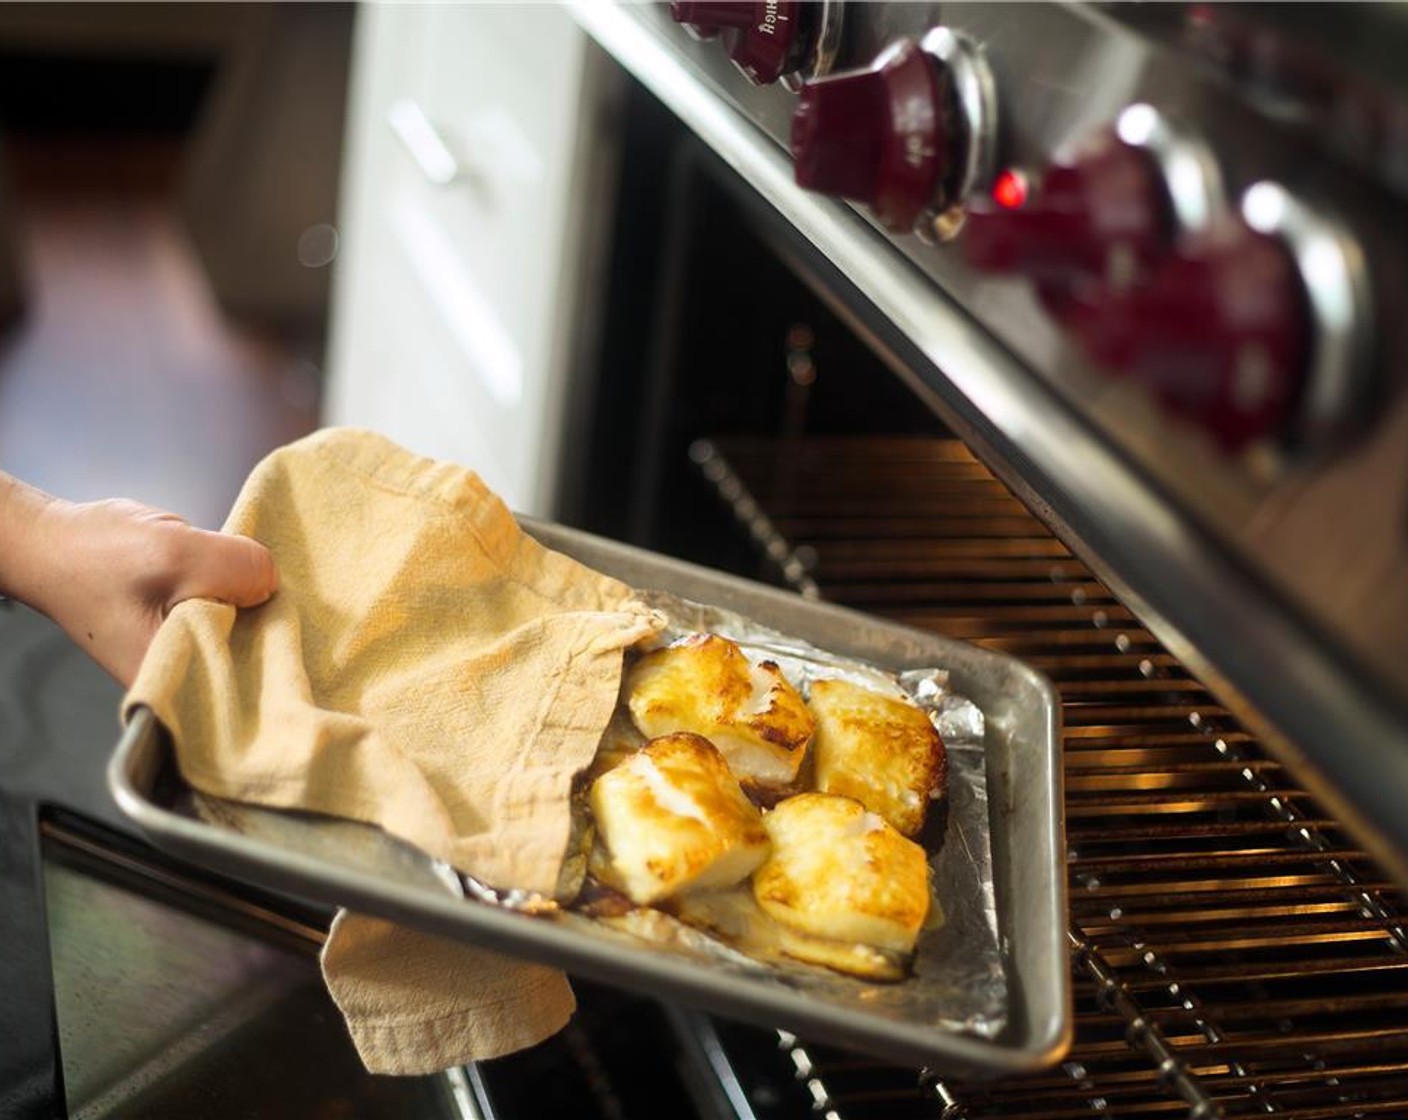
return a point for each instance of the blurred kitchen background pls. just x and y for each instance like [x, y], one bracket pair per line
[170, 182]
[168, 231]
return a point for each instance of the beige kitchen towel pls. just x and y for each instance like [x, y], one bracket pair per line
[427, 667]
[417, 1003]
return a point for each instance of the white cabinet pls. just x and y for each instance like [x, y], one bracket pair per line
[473, 133]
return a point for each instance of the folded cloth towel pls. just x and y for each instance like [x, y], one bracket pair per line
[427, 667]
[416, 1003]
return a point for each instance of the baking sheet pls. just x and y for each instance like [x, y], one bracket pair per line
[953, 1019]
[958, 981]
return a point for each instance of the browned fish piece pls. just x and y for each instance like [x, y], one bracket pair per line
[881, 750]
[672, 818]
[707, 685]
[848, 890]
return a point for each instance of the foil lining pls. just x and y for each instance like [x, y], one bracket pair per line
[958, 979]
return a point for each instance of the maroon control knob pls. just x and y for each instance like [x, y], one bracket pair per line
[1101, 216]
[877, 136]
[1219, 334]
[766, 38]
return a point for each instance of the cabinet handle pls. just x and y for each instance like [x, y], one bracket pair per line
[424, 144]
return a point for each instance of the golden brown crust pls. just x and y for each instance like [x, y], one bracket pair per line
[672, 818]
[839, 872]
[706, 685]
[881, 750]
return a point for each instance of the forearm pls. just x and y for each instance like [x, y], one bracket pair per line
[22, 538]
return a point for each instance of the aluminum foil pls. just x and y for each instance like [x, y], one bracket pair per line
[958, 980]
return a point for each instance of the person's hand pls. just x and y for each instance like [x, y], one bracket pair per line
[109, 572]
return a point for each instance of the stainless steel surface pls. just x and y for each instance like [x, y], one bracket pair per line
[196, 985]
[1231, 566]
[1234, 951]
[704, 1050]
[1024, 790]
[977, 103]
[826, 42]
[1189, 170]
[1332, 269]
[467, 1093]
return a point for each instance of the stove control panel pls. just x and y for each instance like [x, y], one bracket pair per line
[1227, 320]
[1249, 325]
[1103, 229]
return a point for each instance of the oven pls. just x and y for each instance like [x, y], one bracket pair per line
[1014, 406]
[1115, 388]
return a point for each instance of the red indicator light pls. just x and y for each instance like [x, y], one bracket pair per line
[1010, 190]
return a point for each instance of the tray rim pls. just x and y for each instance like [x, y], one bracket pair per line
[138, 757]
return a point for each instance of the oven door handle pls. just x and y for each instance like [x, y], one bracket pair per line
[423, 142]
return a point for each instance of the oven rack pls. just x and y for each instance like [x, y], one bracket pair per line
[1234, 951]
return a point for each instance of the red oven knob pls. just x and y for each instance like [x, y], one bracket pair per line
[908, 136]
[876, 136]
[1220, 334]
[1104, 216]
[766, 38]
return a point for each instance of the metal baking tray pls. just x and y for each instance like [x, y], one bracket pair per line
[347, 864]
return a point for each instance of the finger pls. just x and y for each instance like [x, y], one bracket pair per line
[233, 569]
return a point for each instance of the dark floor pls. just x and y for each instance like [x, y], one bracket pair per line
[123, 378]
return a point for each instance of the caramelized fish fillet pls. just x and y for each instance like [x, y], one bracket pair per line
[672, 818]
[705, 684]
[845, 887]
[881, 750]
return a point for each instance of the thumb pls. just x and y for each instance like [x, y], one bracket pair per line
[233, 569]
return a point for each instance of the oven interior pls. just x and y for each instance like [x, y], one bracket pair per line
[1234, 950]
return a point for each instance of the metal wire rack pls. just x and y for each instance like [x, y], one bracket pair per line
[1235, 953]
